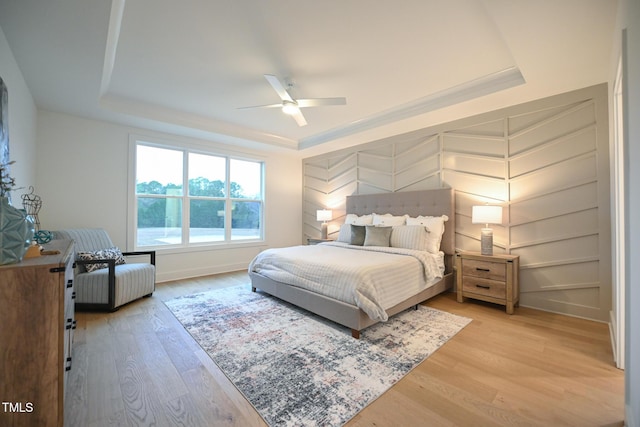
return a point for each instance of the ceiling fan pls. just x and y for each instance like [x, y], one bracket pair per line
[292, 106]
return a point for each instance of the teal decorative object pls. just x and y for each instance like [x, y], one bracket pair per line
[43, 236]
[16, 232]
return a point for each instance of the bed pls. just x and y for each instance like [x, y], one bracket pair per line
[436, 202]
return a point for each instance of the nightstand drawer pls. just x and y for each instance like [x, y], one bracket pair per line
[484, 269]
[486, 287]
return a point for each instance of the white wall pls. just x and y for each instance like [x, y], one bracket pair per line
[82, 179]
[22, 122]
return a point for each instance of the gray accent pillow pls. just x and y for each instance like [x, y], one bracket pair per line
[357, 234]
[377, 236]
[352, 234]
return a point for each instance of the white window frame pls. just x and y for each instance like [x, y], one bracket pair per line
[186, 148]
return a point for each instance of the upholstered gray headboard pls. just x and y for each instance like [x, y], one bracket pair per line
[435, 202]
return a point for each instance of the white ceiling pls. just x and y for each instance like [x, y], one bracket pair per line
[186, 67]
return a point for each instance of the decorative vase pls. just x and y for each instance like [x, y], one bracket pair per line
[16, 232]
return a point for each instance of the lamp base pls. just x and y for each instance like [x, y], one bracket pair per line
[486, 241]
[323, 231]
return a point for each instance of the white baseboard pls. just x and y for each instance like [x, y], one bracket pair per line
[199, 272]
[618, 355]
[612, 336]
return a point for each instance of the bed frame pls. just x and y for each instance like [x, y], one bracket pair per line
[428, 202]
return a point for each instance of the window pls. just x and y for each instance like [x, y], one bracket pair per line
[186, 198]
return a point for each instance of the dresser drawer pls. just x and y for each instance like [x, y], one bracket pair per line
[486, 287]
[484, 269]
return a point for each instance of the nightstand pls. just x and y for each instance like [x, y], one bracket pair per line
[311, 241]
[489, 278]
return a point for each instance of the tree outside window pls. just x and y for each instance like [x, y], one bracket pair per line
[191, 198]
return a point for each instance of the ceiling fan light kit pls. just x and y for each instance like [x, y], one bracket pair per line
[291, 106]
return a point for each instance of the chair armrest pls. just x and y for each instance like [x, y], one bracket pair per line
[152, 255]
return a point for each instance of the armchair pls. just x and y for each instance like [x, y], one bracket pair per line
[113, 286]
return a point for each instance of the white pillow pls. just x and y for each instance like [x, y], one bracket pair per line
[389, 220]
[344, 235]
[435, 228]
[410, 237]
[358, 220]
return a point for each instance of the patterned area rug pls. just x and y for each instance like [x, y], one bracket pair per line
[299, 369]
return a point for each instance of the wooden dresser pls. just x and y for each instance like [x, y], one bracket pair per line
[492, 278]
[36, 337]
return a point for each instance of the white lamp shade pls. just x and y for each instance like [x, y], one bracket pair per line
[486, 214]
[324, 215]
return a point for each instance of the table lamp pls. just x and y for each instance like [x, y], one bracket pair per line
[486, 215]
[324, 215]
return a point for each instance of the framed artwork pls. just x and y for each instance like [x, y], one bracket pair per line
[4, 123]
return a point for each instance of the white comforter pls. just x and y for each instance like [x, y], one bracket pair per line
[372, 278]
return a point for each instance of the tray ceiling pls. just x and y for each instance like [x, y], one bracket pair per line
[187, 67]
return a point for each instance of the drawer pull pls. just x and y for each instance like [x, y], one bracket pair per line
[483, 269]
[483, 286]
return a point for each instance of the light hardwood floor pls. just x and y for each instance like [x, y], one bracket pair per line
[138, 366]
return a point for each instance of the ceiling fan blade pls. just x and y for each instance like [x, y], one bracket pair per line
[318, 102]
[299, 118]
[261, 106]
[288, 101]
[278, 87]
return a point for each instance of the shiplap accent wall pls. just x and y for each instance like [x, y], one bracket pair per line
[546, 162]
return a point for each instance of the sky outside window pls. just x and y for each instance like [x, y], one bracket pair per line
[248, 175]
[212, 168]
[158, 164]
